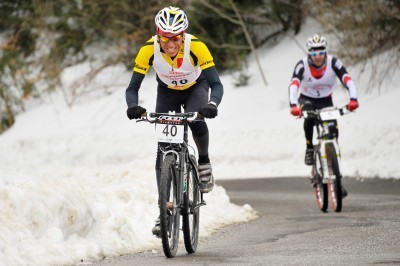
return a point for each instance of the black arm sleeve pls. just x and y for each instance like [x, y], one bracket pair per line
[132, 92]
[217, 90]
[298, 72]
[339, 69]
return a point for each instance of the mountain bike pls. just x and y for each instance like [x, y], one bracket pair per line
[325, 171]
[179, 191]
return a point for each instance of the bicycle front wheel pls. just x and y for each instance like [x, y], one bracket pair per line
[191, 216]
[334, 184]
[320, 189]
[169, 213]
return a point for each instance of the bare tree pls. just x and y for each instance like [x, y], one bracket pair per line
[248, 38]
[364, 29]
[237, 20]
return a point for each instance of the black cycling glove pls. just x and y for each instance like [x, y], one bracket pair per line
[135, 112]
[209, 111]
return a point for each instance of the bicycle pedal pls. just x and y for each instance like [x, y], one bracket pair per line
[206, 187]
[156, 232]
[313, 180]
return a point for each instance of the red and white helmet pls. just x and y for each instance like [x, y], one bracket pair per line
[171, 19]
[316, 41]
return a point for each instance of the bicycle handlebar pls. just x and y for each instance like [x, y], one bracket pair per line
[154, 117]
[316, 113]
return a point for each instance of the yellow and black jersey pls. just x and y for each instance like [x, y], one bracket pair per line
[187, 69]
[199, 56]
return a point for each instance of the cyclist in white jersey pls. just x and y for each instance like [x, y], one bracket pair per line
[313, 82]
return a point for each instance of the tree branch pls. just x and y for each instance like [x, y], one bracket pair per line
[248, 38]
[219, 12]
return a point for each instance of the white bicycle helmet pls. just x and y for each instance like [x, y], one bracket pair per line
[171, 19]
[316, 41]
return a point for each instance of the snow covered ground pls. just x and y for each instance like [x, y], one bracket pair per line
[77, 183]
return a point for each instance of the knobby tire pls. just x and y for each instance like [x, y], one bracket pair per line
[191, 215]
[320, 189]
[169, 217]
[334, 185]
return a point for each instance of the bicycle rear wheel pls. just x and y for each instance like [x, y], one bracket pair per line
[191, 215]
[334, 185]
[169, 213]
[320, 189]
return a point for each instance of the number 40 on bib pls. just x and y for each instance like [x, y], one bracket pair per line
[169, 133]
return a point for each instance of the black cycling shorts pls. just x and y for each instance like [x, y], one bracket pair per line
[314, 103]
[190, 99]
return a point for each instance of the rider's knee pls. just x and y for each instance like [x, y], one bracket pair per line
[199, 128]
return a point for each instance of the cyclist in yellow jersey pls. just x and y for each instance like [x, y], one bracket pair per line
[185, 73]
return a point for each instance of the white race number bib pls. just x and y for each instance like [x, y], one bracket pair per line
[169, 133]
[329, 115]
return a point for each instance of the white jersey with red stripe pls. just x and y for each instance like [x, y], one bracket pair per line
[304, 82]
[321, 87]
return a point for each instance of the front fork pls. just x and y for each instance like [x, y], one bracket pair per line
[326, 164]
[182, 172]
[162, 152]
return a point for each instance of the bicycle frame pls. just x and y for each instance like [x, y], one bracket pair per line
[325, 171]
[179, 150]
[324, 119]
[325, 140]
[179, 191]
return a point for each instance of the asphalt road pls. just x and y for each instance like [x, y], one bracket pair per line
[291, 230]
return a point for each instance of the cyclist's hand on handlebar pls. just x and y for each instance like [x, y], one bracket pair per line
[209, 111]
[352, 105]
[295, 111]
[135, 112]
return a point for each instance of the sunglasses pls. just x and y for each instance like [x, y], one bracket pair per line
[175, 38]
[314, 53]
